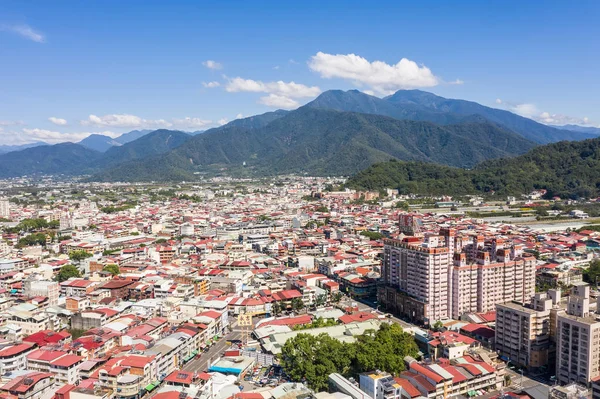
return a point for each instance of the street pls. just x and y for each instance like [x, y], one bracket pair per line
[215, 351]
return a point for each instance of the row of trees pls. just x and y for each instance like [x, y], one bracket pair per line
[312, 358]
[69, 271]
[29, 225]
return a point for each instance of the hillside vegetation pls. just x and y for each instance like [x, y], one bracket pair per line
[565, 169]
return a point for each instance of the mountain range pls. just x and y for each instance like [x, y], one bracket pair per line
[338, 133]
[10, 148]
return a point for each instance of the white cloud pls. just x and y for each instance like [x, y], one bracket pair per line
[281, 94]
[190, 123]
[136, 122]
[239, 116]
[531, 111]
[276, 67]
[25, 31]
[210, 85]
[23, 136]
[11, 123]
[457, 82]
[58, 121]
[277, 101]
[222, 121]
[378, 75]
[116, 120]
[214, 65]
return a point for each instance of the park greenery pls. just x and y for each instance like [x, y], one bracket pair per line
[29, 225]
[31, 240]
[372, 235]
[317, 323]
[312, 358]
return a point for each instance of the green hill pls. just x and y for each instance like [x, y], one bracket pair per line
[65, 158]
[151, 144]
[565, 169]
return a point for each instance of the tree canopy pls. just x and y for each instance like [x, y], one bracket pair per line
[79, 255]
[112, 269]
[312, 358]
[66, 272]
[592, 273]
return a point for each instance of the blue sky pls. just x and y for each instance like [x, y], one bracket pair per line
[71, 68]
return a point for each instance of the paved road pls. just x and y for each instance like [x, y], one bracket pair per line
[214, 352]
[526, 381]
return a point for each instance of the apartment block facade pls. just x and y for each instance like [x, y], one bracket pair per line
[578, 340]
[523, 331]
[444, 276]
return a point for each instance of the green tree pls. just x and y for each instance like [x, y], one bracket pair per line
[320, 300]
[312, 359]
[66, 272]
[592, 273]
[322, 209]
[336, 297]
[276, 308]
[32, 224]
[79, 255]
[112, 269]
[297, 304]
[372, 235]
[31, 240]
[54, 224]
[402, 205]
[438, 325]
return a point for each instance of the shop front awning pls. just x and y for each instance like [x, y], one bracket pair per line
[150, 387]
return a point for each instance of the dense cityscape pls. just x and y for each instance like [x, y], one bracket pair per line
[299, 199]
[283, 286]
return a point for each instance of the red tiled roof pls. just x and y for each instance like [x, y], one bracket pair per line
[45, 355]
[408, 387]
[136, 361]
[426, 372]
[18, 384]
[16, 349]
[66, 361]
[176, 375]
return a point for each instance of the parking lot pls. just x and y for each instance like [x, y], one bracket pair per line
[264, 376]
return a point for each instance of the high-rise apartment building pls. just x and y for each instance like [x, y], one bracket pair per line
[436, 277]
[578, 339]
[523, 331]
[4, 208]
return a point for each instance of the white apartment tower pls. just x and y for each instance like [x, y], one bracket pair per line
[578, 339]
[4, 208]
[523, 330]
